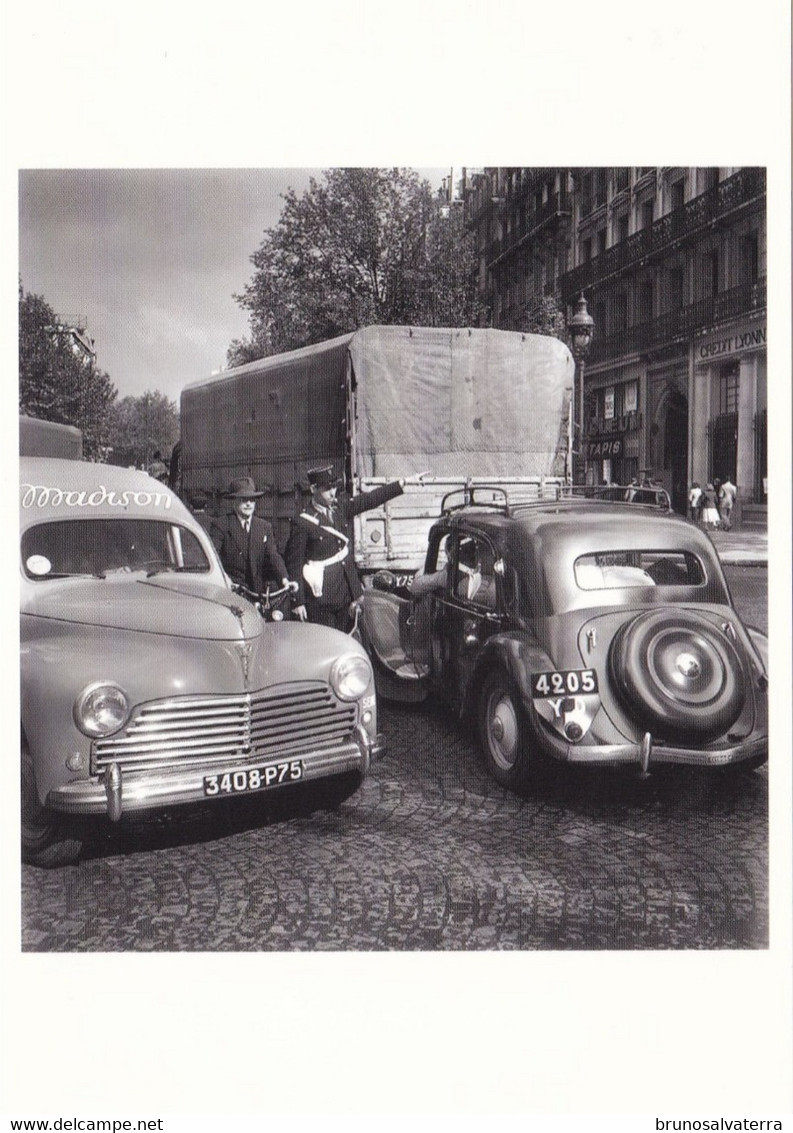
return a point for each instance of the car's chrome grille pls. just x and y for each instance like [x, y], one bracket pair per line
[185, 731]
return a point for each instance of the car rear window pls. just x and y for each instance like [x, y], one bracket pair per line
[608, 570]
[105, 546]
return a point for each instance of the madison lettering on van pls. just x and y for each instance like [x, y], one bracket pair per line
[39, 495]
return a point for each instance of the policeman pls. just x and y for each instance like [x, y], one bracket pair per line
[246, 543]
[319, 556]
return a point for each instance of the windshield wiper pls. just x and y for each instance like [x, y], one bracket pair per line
[175, 570]
[70, 574]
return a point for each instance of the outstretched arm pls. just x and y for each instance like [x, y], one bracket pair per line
[365, 501]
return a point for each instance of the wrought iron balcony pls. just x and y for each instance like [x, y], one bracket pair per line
[557, 205]
[681, 224]
[680, 323]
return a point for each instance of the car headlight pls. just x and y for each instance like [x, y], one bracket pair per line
[101, 709]
[350, 676]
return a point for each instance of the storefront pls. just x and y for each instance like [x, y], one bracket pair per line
[668, 424]
[729, 408]
[614, 430]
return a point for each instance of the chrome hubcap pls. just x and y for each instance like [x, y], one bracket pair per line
[688, 665]
[503, 730]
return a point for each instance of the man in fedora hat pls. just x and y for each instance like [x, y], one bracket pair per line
[246, 543]
[319, 555]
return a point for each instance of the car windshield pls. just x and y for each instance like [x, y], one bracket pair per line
[99, 547]
[605, 570]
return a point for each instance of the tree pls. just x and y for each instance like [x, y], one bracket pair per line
[361, 246]
[547, 318]
[58, 380]
[141, 426]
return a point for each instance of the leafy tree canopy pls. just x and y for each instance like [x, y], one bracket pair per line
[58, 381]
[547, 318]
[141, 426]
[359, 247]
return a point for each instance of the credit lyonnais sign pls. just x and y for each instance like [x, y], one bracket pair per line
[720, 344]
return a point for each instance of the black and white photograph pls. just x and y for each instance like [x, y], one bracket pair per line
[401, 569]
[444, 595]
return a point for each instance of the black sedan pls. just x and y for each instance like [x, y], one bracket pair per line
[583, 630]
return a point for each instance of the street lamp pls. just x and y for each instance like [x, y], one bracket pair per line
[581, 328]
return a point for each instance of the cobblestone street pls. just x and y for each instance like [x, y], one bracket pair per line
[431, 854]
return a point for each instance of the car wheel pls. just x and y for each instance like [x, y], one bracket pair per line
[45, 838]
[503, 731]
[678, 674]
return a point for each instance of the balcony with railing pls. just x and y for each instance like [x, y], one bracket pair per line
[527, 227]
[680, 323]
[677, 226]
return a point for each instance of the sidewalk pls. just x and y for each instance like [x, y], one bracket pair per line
[744, 548]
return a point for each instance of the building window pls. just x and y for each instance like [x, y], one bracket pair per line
[601, 241]
[646, 301]
[586, 250]
[729, 380]
[713, 272]
[724, 427]
[600, 315]
[677, 283]
[622, 226]
[648, 209]
[586, 195]
[621, 179]
[751, 258]
[678, 194]
[711, 179]
[621, 311]
[600, 187]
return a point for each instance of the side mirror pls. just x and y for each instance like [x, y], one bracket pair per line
[384, 580]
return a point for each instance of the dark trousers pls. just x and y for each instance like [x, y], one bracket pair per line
[328, 616]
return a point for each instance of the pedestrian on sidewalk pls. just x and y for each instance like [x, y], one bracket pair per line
[710, 513]
[694, 501]
[727, 496]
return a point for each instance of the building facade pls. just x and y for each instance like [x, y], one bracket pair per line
[672, 263]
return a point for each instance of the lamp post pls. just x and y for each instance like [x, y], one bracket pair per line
[581, 328]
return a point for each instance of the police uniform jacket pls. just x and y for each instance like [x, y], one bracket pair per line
[311, 541]
[249, 558]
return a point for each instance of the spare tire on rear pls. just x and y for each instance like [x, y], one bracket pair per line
[678, 674]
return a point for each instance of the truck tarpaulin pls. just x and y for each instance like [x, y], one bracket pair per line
[458, 402]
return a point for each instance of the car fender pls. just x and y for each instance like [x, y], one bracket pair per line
[759, 650]
[519, 654]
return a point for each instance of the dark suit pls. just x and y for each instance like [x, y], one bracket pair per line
[252, 559]
[310, 541]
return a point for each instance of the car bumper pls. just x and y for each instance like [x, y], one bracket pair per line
[115, 792]
[645, 754]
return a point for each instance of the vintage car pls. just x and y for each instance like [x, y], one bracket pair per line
[586, 631]
[147, 683]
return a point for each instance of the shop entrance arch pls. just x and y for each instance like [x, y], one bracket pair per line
[675, 426]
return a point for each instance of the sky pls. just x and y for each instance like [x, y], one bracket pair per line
[151, 259]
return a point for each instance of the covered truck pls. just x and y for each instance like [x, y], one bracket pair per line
[49, 438]
[380, 403]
